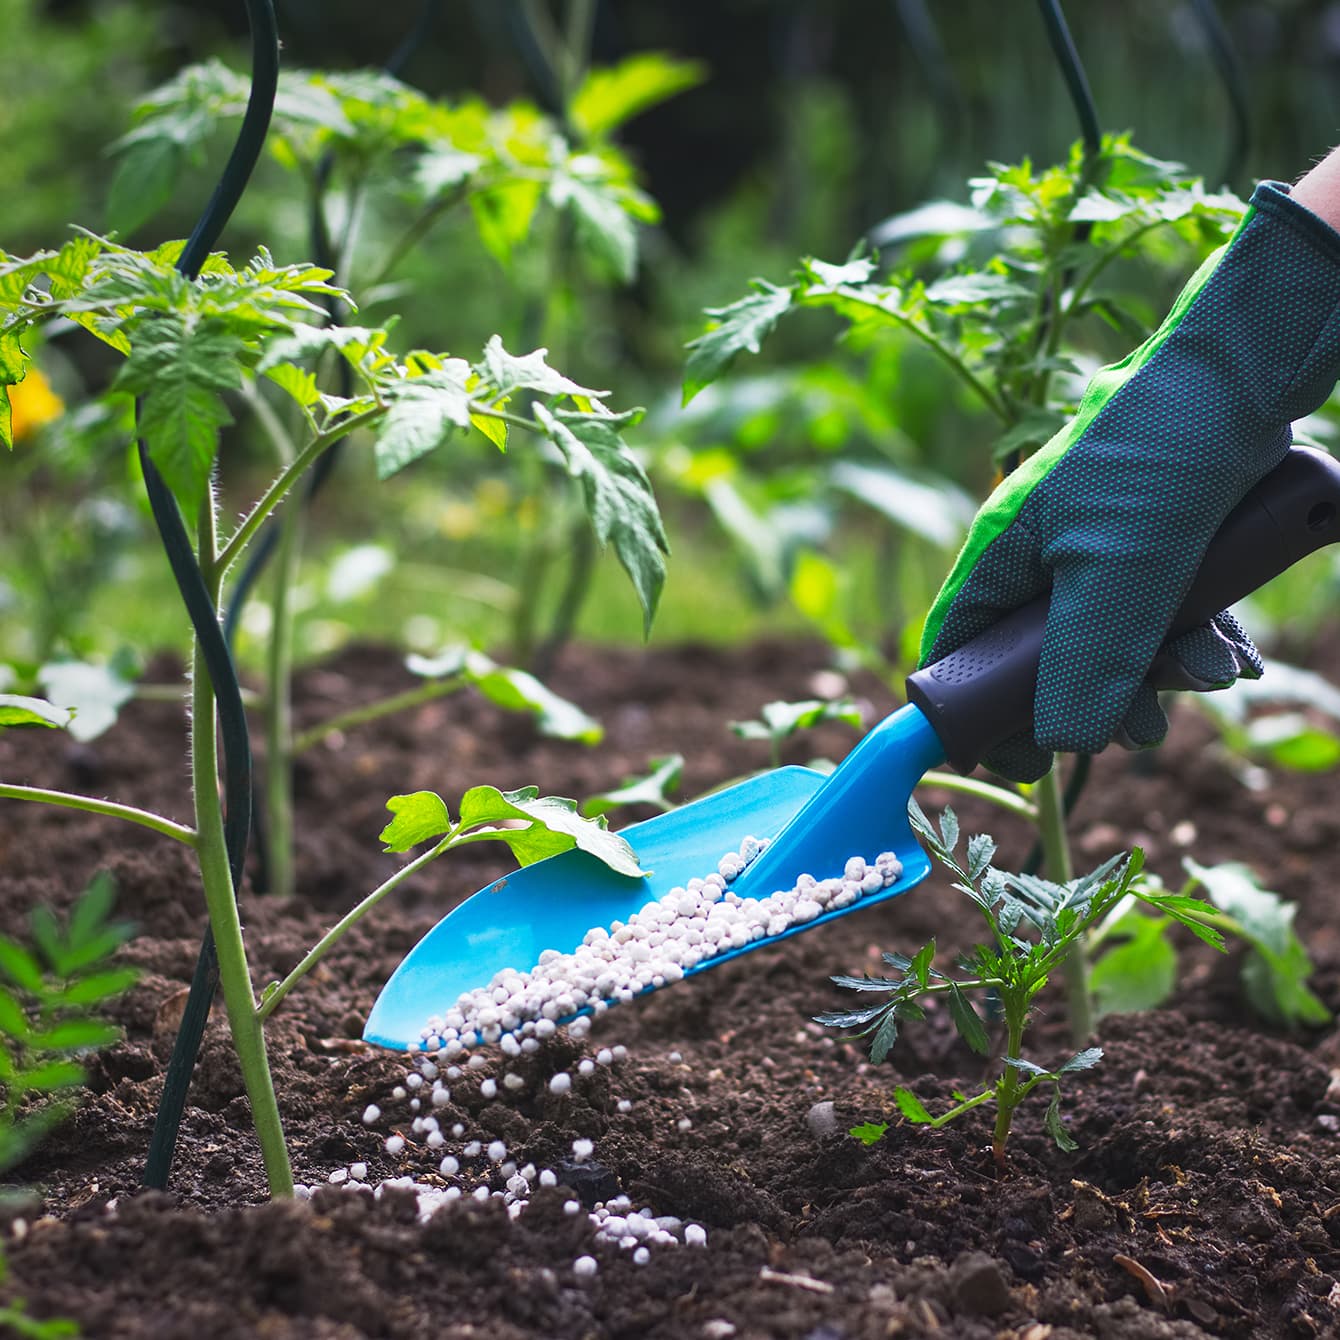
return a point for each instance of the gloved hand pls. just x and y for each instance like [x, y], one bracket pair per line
[1115, 512]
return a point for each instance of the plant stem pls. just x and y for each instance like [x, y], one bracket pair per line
[960, 1108]
[1010, 801]
[1009, 1091]
[279, 707]
[580, 25]
[416, 231]
[581, 563]
[319, 950]
[1058, 868]
[212, 854]
[109, 808]
[384, 707]
[288, 477]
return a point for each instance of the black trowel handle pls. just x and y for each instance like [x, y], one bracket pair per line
[983, 693]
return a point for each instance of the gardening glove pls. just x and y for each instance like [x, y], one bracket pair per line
[1114, 514]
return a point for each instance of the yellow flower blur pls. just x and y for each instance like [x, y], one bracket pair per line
[33, 403]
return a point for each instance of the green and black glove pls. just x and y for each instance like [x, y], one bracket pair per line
[1114, 514]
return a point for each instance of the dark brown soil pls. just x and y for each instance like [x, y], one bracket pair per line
[1204, 1198]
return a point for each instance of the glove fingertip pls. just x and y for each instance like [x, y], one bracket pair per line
[1019, 759]
[1145, 723]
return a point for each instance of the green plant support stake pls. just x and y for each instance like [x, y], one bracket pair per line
[211, 646]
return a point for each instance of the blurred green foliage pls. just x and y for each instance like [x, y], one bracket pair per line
[834, 479]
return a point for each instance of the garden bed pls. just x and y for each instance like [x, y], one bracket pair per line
[1204, 1198]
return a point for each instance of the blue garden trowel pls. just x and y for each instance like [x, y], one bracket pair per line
[958, 709]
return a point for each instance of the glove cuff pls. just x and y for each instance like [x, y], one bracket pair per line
[1273, 198]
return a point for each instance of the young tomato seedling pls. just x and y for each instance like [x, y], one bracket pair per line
[1033, 925]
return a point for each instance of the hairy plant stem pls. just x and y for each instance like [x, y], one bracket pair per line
[212, 854]
[318, 951]
[73, 801]
[285, 481]
[1009, 801]
[1058, 867]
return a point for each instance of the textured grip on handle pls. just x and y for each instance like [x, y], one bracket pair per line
[983, 693]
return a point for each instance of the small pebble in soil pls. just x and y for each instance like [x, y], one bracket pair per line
[372, 1114]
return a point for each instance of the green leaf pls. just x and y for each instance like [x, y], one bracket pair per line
[553, 825]
[934, 508]
[18, 710]
[418, 818]
[13, 1021]
[519, 691]
[424, 412]
[885, 1036]
[619, 500]
[20, 966]
[920, 967]
[1035, 427]
[13, 369]
[607, 98]
[911, 1106]
[981, 848]
[503, 215]
[738, 328]
[180, 366]
[1082, 1060]
[781, 720]
[869, 1132]
[298, 383]
[970, 1026]
[527, 372]
[650, 789]
[1028, 1067]
[50, 1077]
[604, 228]
[145, 177]
[95, 695]
[1138, 974]
[980, 287]
[99, 986]
[826, 275]
[1064, 1140]
[1276, 973]
[868, 983]
[1292, 741]
[851, 1018]
[73, 1035]
[949, 830]
[91, 913]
